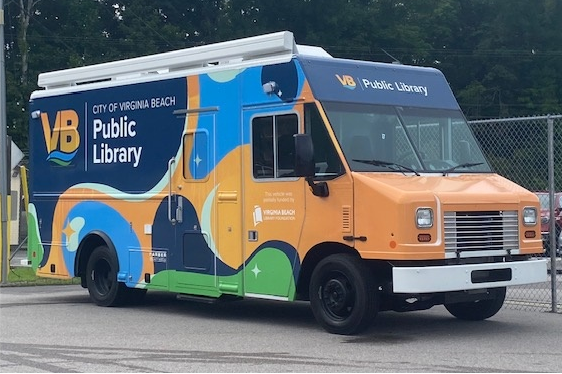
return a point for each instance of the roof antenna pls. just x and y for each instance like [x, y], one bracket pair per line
[396, 61]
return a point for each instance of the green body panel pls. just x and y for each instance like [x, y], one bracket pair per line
[268, 273]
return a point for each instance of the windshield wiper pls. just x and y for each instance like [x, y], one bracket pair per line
[465, 165]
[390, 165]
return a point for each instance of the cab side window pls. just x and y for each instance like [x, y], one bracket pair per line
[328, 163]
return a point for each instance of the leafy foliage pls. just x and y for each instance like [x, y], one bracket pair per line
[502, 58]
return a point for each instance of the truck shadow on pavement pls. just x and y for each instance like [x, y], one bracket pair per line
[388, 327]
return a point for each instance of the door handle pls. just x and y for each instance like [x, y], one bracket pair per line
[171, 162]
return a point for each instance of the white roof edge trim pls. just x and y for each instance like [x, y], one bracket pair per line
[244, 49]
[142, 78]
[312, 51]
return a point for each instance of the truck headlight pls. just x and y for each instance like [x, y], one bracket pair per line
[529, 216]
[424, 218]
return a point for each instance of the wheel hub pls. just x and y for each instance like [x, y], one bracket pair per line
[337, 298]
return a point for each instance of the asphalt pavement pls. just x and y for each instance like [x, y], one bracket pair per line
[58, 329]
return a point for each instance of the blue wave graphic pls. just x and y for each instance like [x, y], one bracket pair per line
[62, 156]
[99, 217]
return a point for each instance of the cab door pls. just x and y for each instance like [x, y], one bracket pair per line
[273, 202]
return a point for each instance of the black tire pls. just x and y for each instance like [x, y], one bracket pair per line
[101, 278]
[343, 295]
[481, 309]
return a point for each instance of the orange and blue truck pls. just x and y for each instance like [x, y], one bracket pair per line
[260, 168]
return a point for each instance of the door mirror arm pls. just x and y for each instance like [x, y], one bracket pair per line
[319, 189]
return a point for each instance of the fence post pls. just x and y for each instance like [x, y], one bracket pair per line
[552, 228]
[4, 170]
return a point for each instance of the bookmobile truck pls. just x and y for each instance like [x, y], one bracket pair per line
[259, 168]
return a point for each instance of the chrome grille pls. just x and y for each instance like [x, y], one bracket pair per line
[481, 231]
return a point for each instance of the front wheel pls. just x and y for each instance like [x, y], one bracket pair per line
[481, 309]
[343, 295]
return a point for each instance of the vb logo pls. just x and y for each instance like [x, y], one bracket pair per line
[62, 139]
[347, 81]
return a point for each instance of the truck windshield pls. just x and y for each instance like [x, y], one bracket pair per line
[383, 138]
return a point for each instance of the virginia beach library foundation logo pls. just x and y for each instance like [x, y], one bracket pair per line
[61, 138]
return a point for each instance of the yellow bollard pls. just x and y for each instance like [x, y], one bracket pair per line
[23, 173]
[8, 236]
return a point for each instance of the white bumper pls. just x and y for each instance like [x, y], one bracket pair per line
[428, 279]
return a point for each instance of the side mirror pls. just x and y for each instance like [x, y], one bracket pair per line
[304, 164]
[304, 156]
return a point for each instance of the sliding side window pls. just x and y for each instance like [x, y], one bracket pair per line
[273, 146]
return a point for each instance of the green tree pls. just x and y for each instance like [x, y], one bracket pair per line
[502, 58]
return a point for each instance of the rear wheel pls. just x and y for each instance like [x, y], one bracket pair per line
[101, 278]
[343, 295]
[481, 309]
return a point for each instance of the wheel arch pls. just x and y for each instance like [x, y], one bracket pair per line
[312, 258]
[91, 241]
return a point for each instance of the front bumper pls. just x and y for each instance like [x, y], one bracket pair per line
[429, 279]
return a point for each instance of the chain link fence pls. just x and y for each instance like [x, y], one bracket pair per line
[528, 151]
